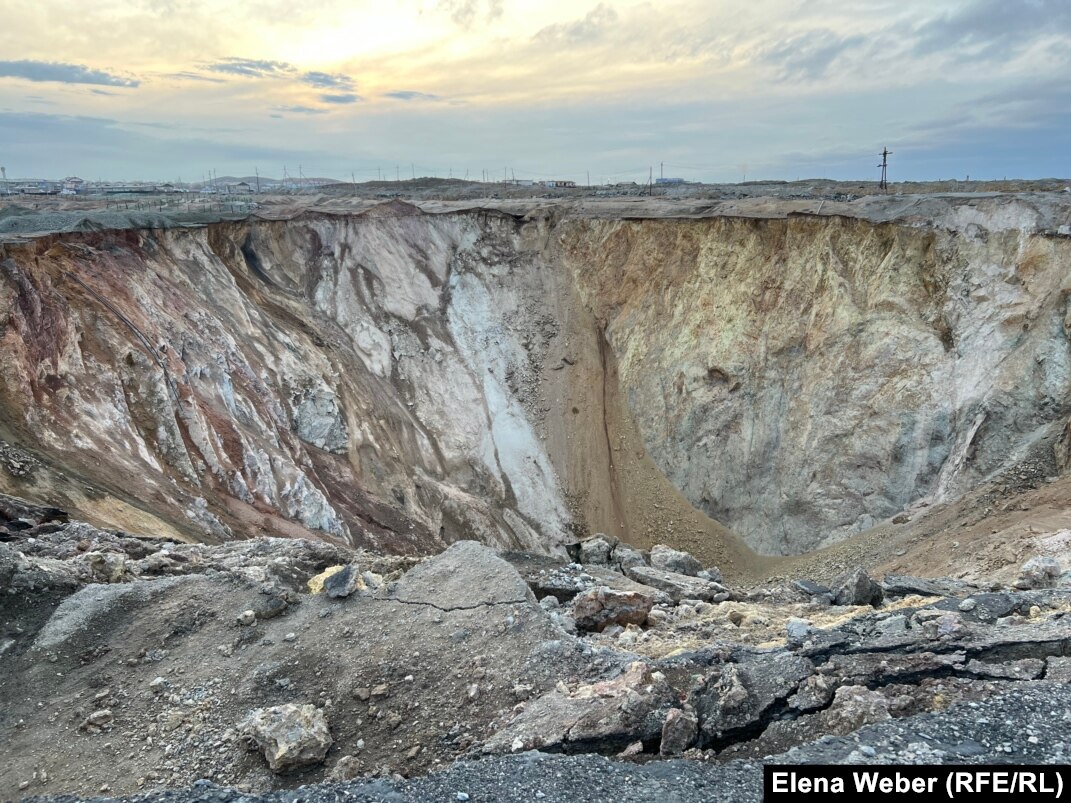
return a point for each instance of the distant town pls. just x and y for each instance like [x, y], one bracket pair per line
[229, 185]
[73, 185]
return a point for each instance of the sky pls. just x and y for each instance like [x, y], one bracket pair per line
[602, 91]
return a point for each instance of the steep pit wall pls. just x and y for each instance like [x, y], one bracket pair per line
[342, 377]
[800, 379]
[400, 380]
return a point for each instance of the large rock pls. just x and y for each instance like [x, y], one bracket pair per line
[678, 586]
[624, 557]
[606, 715]
[1039, 572]
[673, 560]
[600, 607]
[870, 669]
[901, 585]
[596, 551]
[855, 587]
[678, 732]
[466, 575]
[343, 582]
[291, 736]
[738, 695]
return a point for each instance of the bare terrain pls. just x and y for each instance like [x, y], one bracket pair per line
[350, 486]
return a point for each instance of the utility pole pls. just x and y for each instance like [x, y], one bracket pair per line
[661, 169]
[884, 183]
[353, 178]
[412, 168]
[650, 180]
[257, 171]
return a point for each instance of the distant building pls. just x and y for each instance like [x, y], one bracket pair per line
[520, 182]
[559, 184]
[669, 181]
[72, 185]
[241, 188]
[36, 188]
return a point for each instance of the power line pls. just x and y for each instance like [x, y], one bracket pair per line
[884, 183]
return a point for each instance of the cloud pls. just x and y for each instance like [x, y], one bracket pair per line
[342, 97]
[103, 92]
[107, 147]
[467, 12]
[252, 68]
[297, 110]
[991, 28]
[193, 76]
[808, 55]
[410, 95]
[323, 80]
[63, 73]
[591, 28]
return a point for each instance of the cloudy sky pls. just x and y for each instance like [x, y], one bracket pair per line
[715, 89]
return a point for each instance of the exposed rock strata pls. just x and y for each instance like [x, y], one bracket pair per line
[402, 380]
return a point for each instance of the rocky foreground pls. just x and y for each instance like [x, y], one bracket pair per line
[174, 671]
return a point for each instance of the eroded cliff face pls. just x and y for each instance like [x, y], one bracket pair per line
[801, 379]
[344, 377]
[401, 380]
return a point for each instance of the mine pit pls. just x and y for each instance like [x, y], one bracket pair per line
[349, 494]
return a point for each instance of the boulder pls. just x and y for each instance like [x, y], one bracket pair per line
[600, 607]
[739, 694]
[596, 551]
[344, 582]
[678, 586]
[1023, 669]
[291, 736]
[853, 707]
[984, 607]
[679, 732]
[674, 560]
[901, 585]
[624, 557]
[713, 573]
[811, 588]
[855, 587]
[601, 716]
[1058, 668]
[1039, 572]
[466, 575]
[797, 629]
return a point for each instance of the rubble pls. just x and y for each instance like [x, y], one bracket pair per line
[455, 656]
